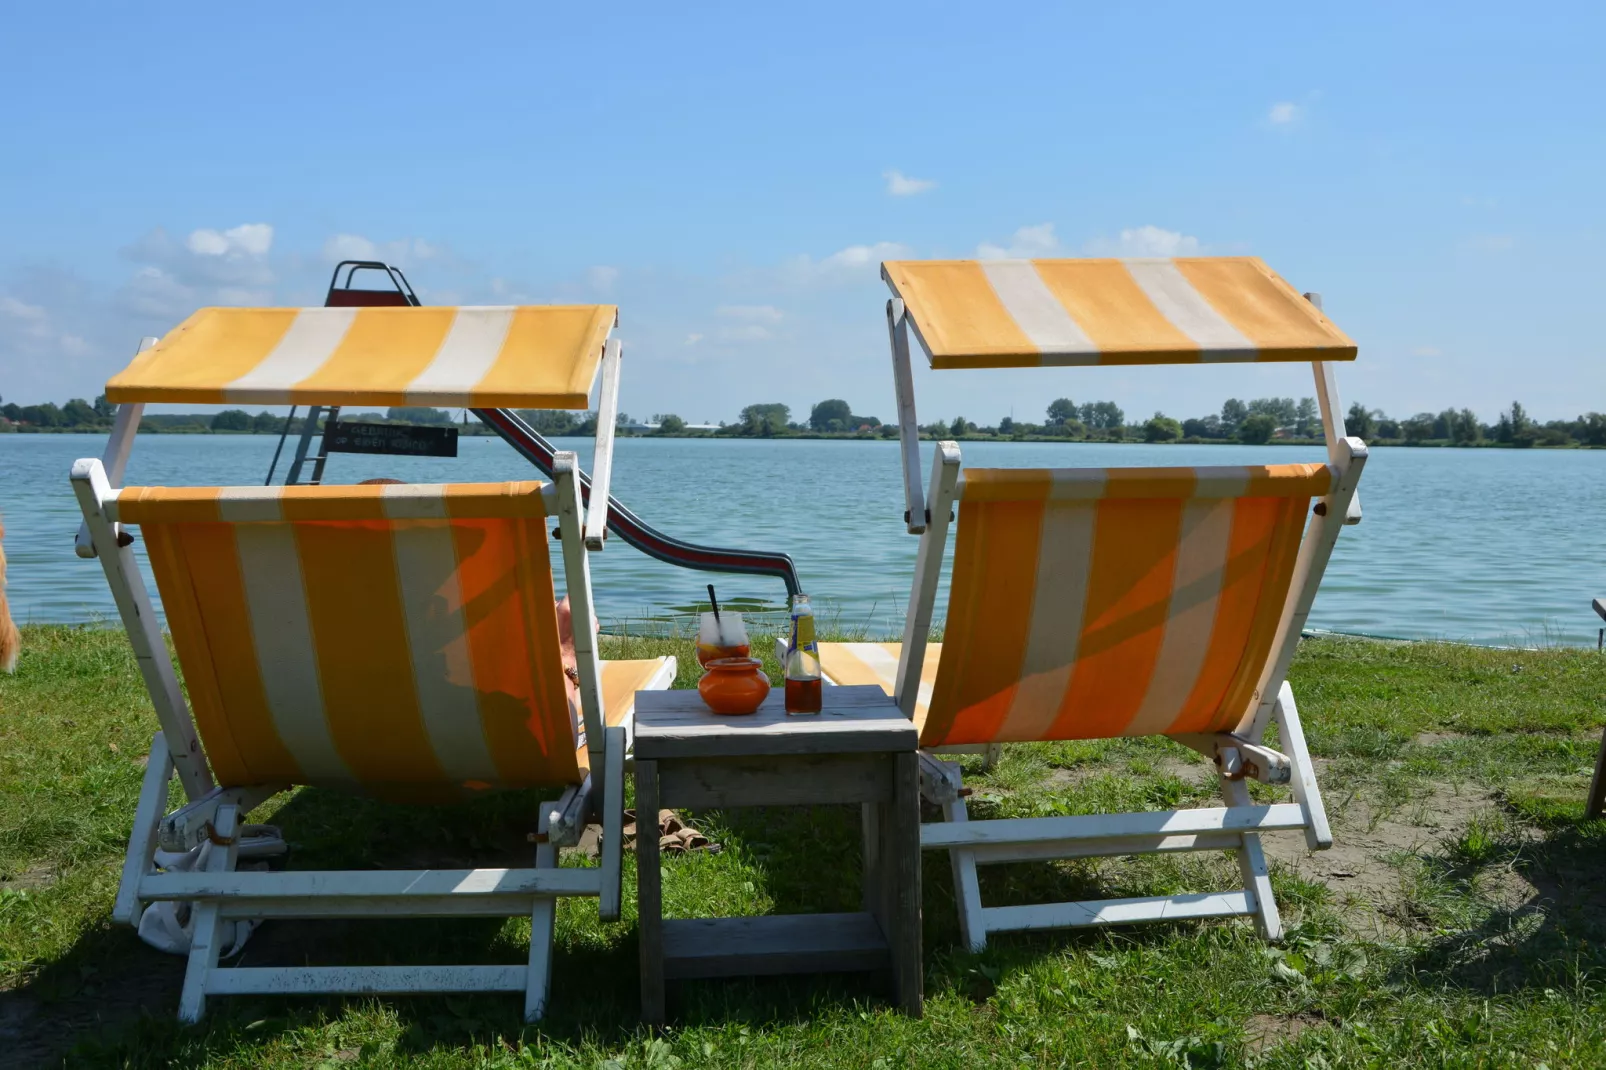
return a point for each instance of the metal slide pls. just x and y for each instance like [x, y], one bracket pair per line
[535, 448]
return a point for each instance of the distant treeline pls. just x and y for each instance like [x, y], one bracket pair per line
[1259, 421]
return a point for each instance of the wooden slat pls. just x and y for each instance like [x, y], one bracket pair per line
[295, 980]
[1267, 818]
[854, 720]
[649, 895]
[1116, 911]
[397, 884]
[788, 943]
[800, 780]
[1105, 848]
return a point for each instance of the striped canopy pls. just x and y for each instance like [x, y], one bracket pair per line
[1046, 313]
[541, 357]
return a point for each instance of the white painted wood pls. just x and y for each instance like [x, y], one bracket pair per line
[363, 980]
[127, 907]
[928, 573]
[139, 621]
[1315, 549]
[1116, 911]
[908, 426]
[1318, 836]
[400, 885]
[1252, 867]
[1106, 848]
[577, 582]
[567, 817]
[854, 719]
[1266, 817]
[543, 916]
[125, 425]
[602, 454]
[613, 808]
[967, 886]
[185, 827]
[1332, 414]
[206, 941]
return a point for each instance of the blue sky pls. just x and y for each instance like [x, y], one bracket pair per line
[731, 175]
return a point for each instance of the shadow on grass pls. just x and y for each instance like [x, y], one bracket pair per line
[1523, 912]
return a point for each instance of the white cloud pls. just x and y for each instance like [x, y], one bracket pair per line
[751, 313]
[747, 332]
[901, 185]
[1147, 240]
[1427, 351]
[1038, 240]
[845, 265]
[693, 338]
[349, 247]
[401, 252]
[602, 277]
[247, 239]
[1285, 113]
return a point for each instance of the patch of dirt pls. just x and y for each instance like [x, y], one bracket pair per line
[32, 880]
[1360, 868]
[1262, 1032]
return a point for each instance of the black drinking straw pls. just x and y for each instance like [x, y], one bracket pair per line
[714, 602]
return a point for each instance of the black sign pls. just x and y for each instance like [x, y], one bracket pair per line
[404, 439]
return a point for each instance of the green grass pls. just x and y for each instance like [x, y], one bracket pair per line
[1492, 951]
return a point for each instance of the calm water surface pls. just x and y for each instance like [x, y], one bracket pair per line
[1490, 546]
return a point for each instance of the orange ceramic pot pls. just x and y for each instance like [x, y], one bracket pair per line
[734, 685]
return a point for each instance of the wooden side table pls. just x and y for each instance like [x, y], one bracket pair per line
[859, 749]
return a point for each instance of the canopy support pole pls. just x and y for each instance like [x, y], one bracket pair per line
[914, 516]
[1332, 415]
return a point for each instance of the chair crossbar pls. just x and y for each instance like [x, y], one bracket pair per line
[365, 980]
[1022, 830]
[400, 885]
[1115, 845]
[1118, 911]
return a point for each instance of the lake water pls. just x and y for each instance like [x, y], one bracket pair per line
[1487, 546]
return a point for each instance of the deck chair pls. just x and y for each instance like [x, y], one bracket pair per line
[395, 640]
[1090, 603]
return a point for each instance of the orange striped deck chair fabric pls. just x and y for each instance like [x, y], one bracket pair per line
[400, 640]
[1091, 603]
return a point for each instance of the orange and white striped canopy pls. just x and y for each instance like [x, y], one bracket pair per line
[397, 639]
[1045, 313]
[1091, 603]
[542, 357]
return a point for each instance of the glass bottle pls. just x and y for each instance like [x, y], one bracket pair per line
[804, 687]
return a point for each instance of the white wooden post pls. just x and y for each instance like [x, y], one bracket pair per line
[1252, 867]
[602, 454]
[577, 580]
[127, 907]
[538, 981]
[206, 941]
[1314, 551]
[125, 425]
[928, 571]
[1332, 414]
[908, 426]
[139, 620]
[1291, 734]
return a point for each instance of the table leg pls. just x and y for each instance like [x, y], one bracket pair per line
[649, 895]
[870, 881]
[900, 879]
[1597, 785]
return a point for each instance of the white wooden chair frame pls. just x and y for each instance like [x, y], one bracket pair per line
[220, 893]
[1235, 826]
